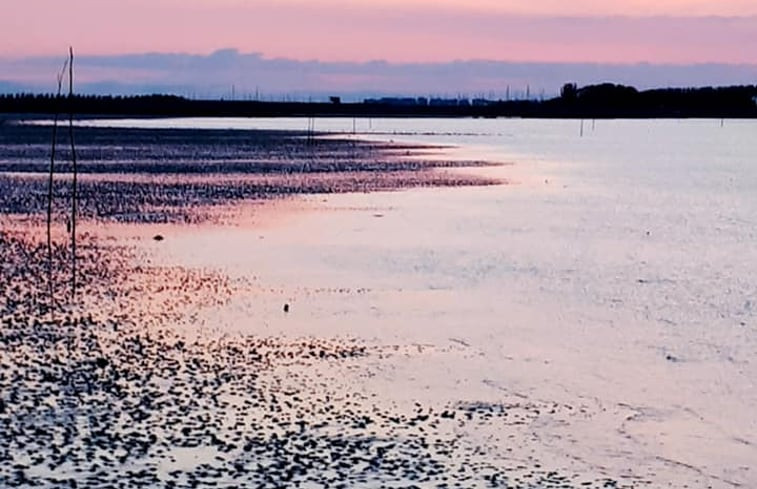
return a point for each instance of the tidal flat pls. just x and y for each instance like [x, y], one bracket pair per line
[269, 309]
[113, 384]
[171, 175]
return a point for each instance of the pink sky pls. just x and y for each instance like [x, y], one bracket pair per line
[662, 31]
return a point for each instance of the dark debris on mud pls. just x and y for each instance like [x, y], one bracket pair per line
[163, 175]
[107, 394]
[119, 388]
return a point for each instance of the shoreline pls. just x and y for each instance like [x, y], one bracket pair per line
[476, 336]
[163, 173]
[128, 383]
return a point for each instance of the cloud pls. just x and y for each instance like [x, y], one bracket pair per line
[622, 31]
[251, 75]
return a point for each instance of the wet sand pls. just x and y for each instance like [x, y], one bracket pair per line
[178, 365]
[170, 175]
[125, 388]
[123, 383]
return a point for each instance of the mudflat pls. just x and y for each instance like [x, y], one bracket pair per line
[460, 333]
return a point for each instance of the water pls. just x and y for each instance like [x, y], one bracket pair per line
[614, 275]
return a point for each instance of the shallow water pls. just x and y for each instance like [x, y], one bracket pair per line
[613, 279]
[618, 274]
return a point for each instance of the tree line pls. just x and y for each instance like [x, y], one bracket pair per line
[605, 100]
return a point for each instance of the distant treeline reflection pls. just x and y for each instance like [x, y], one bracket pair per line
[595, 101]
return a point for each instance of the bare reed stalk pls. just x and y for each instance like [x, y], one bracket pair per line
[51, 282]
[74, 195]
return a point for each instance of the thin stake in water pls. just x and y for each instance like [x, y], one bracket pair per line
[51, 283]
[74, 195]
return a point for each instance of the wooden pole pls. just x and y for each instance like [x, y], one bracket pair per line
[74, 190]
[50, 182]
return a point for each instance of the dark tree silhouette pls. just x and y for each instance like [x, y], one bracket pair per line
[594, 101]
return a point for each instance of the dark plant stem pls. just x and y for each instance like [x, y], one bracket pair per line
[74, 195]
[51, 282]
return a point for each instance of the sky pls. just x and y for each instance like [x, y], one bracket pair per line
[436, 34]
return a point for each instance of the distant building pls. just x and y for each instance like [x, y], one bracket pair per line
[422, 102]
[443, 102]
[394, 101]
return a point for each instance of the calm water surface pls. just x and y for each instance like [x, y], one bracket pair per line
[615, 273]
